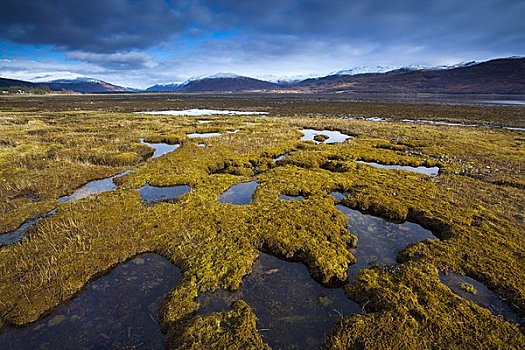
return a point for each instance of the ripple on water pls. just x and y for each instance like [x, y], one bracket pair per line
[293, 310]
[480, 295]
[115, 311]
[240, 194]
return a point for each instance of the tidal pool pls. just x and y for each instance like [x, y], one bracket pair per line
[338, 196]
[294, 311]
[480, 295]
[115, 311]
[240, 194]
[333, 136]
[203, 134]
[93, 187]
[160, 148]
[379, 240]
[430, 171]
[158, 194]
[201, 112]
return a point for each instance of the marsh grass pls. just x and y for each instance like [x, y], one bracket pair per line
[470, 206]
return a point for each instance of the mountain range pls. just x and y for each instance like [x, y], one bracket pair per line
[499, 76]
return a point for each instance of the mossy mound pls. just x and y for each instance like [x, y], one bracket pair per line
[235, 329]
[410, 309]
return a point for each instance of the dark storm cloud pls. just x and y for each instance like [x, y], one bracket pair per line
[90, 25]
[117, 25]
[448, 23]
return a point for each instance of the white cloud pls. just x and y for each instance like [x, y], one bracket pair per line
[118, 60]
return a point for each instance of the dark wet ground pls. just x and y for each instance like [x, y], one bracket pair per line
[430, 171]
[240, 194]
[294, 311]
[157, 194]
[481, 295]
[333, 136]
[116, 311]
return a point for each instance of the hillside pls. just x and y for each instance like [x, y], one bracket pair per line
[501, 76]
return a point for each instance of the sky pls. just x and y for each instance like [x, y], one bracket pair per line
[138, 43]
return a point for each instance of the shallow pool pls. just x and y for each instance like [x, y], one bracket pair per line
[240, 194]
[430, 171]
[333, 136]
[115, 311]
[293, 310]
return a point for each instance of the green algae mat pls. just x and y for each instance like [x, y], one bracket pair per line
[473, 209]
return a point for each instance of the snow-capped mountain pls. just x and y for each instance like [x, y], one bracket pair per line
[222, 82]
[84, 85]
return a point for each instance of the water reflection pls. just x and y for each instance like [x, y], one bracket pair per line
[379, 240]
[240, 194]
[294, 311]
[93, 187]
[21, 232]
[281, 157]
[203, 134]
[333, 136]
[430, 171]
[160, 148]
[478, 293]
[157, 194]
[201, 112]
[116, 311]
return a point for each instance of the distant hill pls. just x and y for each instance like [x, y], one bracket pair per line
[500, 76]
[217, 83]
[174, 87]
[84, 85]
[7, 83]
